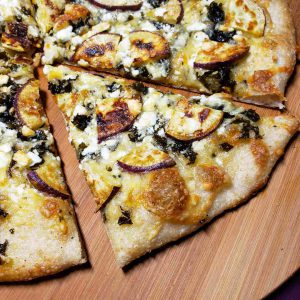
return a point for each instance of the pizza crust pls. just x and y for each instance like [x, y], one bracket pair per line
[36, 249]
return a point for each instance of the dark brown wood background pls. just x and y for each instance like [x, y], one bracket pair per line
[245, 254]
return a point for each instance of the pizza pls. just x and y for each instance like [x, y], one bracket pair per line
[38, 229]
[158, 164]
[245, 48]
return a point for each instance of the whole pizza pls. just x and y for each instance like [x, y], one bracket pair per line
[160, 165]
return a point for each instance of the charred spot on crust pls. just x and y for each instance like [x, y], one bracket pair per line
[216, 13]
[125, 218]
[60, 87]
[3, 247]
[81, 121]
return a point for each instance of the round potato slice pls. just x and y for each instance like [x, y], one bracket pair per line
[48, 178]
[147, 47]
[115, 115]
[99, 51]
[213, 55]
[145, 159]
[247, 16]
[28, 105]
[192, 121]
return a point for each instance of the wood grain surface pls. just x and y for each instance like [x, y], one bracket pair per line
[245, 254]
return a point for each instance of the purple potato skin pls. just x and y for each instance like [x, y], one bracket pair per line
[16, 102]
[180, 17]
[42, 186]
[137, 169]
[100, 4]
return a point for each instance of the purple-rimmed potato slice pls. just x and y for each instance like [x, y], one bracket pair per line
[214, 55]
[48, 178]
[147, 47]
[246, 15]
[170, 12]
[191, 121]
[123, 5]
[28, 106]
[145, 159]
[115, 115]
[99, 51]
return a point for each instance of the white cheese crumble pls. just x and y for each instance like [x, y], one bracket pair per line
[79, 110]
[3, 79]
[196, 27]
[65, 34]
[147, 119]
[33, 31]
[34, 156]
[105, 153]
[5, 148]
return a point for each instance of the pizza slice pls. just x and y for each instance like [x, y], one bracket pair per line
[242, 47]
[38, 230]
[161, 165]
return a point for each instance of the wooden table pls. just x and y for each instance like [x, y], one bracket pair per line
[243, 255]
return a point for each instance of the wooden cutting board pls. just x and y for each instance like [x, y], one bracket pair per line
[245, 254]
